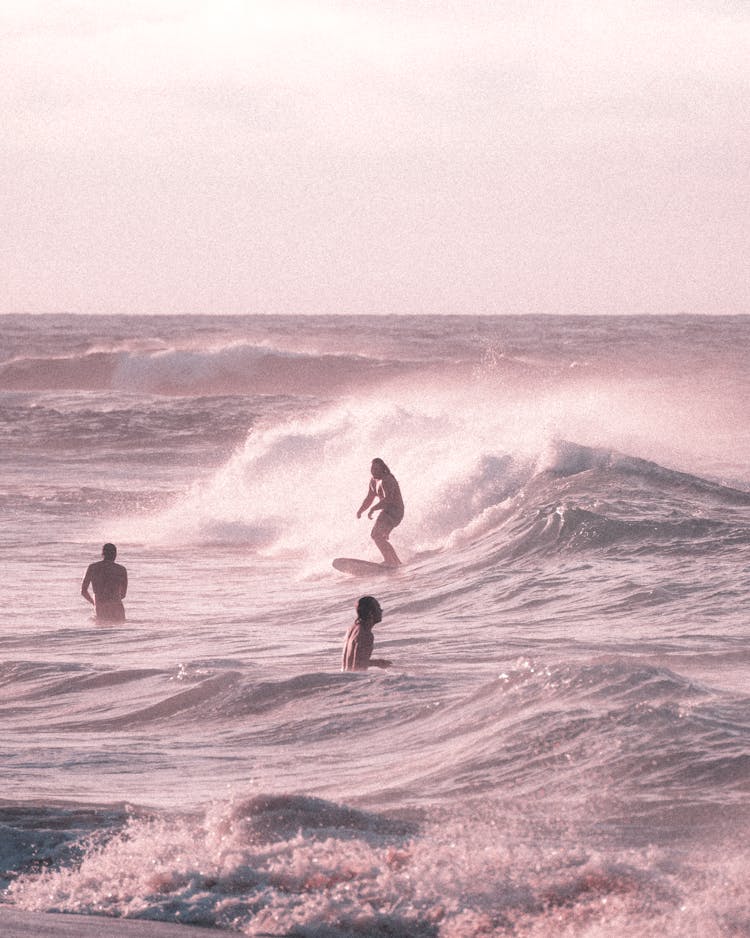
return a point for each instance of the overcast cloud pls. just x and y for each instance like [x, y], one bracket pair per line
[375, 157]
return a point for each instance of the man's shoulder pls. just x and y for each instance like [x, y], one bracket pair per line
[358, 632]
[111, 565]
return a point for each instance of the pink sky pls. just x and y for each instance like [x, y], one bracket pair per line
[375, 156]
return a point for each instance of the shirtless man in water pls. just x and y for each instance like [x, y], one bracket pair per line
[110, 584]
[383, 485]
[360, 641]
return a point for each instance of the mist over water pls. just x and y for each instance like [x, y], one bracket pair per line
[562, 740]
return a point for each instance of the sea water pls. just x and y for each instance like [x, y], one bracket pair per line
[562, 744]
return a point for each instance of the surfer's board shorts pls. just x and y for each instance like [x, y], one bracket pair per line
[385, 524]
[110, 611]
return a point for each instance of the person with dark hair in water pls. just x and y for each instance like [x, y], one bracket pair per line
[360, 641]
[383, 485]
[109, 581]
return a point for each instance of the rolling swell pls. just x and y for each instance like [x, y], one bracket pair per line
[557, 729]
[100, 701]
[641, 733]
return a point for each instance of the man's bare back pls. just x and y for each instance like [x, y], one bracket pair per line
[109, 580]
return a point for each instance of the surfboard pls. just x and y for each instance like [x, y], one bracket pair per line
[360, 567]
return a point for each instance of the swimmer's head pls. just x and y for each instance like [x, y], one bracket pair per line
[368, 610]
[379, 468]
[109, 551]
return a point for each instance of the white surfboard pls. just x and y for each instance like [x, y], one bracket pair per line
[360, 567]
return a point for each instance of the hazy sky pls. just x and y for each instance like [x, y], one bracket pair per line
[375, 156]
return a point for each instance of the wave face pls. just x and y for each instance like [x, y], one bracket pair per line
[561, 744]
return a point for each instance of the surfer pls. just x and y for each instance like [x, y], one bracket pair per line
[109, 581]
[383, 485]
[360, 641]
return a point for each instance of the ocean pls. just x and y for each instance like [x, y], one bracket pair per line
[562, 744]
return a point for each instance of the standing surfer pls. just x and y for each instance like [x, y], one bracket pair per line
[383, 485]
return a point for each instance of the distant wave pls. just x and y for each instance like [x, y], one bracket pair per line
[87, 372]
[237, 368]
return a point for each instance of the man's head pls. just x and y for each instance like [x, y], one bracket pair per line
[109, 551]
[369, 611]
[378, 469]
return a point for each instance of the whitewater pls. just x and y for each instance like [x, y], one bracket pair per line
[562, 744]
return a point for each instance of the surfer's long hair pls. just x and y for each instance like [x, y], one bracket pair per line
[366, 607]
[382, 465]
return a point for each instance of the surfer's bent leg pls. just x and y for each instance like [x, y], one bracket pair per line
[380, 533]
